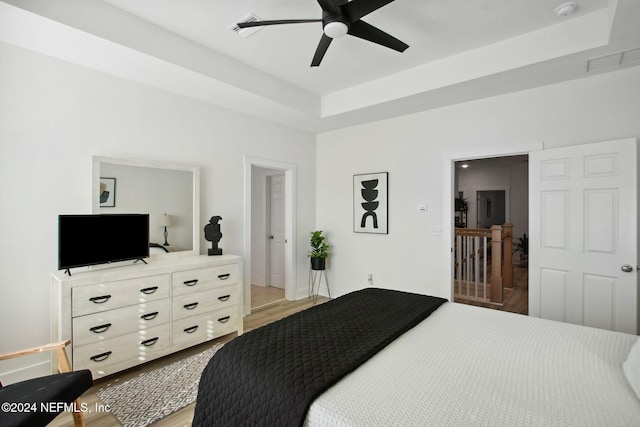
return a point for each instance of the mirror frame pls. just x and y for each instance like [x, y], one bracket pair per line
[195, 171]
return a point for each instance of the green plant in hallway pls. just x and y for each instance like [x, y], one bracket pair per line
[319, 250]
[522, 246]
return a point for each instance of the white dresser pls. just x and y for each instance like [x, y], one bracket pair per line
[119, 317]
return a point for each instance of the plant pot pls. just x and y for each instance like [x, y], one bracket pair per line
[524, 260]
[318, 263]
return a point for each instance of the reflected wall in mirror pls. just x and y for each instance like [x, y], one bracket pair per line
[156, 189]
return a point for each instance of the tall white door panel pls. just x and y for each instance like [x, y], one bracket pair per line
[277, 231]
[583, 235]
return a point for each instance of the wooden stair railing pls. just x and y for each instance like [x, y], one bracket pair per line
[472, 266]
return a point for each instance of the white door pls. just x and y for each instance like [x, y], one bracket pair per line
[583, 235]
[276, 234]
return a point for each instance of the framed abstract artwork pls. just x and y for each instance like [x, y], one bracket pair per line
[107, 192]
[370, 203]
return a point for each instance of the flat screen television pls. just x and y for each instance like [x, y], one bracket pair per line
[99, 239]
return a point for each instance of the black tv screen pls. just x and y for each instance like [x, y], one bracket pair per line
[98, 239]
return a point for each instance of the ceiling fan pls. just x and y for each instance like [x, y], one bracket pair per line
[339, 18]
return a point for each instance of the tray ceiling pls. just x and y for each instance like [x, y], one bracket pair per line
[459, 50]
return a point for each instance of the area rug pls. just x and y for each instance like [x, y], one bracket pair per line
[156, 394]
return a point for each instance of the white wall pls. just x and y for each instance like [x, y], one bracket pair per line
[411, 148]
[55, 116]
[519, 199]
[509, 173]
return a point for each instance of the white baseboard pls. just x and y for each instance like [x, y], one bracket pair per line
[39, 369]
[258, 281]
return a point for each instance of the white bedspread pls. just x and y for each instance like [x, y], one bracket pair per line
[468, 366]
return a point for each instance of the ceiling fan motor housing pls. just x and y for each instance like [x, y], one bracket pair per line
[334, 26]
[339, 18]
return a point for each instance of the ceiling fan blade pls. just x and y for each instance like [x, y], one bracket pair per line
[325, 41]
[275, 22]
[356, 9]
[368, 32]
[330, 5]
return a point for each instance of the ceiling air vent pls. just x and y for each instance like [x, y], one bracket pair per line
[614, 60]
[245, 32]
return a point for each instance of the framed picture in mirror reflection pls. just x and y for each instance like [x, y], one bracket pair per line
[107, 192]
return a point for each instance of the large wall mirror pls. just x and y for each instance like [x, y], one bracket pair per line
[169, 193]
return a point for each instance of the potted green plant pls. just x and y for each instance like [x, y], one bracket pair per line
[461, 206]
[461, 203]
[522, 246]
[319, 250]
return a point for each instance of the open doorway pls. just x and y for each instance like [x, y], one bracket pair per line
[267, 236]
[268, 224]
[490, 192]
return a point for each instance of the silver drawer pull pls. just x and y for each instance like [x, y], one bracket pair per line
[101, 357]
[224, 298]
[100, 329]
[191, 329]
[224, 276]
[191, 306]
[224, 319]
[150, 290]
[150, 342]
[100, 300]
[149, 316]
[190, 282]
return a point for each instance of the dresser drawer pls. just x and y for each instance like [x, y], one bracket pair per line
[122, 293]
[113, 323]
[202, 279]
[201, 302]
[133, 348]
[197, 329]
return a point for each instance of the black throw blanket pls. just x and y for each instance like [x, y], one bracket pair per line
[271, 375]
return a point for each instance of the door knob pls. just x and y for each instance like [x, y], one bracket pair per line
[626, 268]
[271, 237]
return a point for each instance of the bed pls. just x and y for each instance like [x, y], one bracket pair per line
[458, 365]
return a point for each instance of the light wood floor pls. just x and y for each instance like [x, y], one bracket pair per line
[516, 299]
[273, 311]
[262, 296]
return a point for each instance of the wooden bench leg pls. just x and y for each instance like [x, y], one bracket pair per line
[78, 416]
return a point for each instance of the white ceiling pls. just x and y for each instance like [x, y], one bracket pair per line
[434, 29]
[460, 50]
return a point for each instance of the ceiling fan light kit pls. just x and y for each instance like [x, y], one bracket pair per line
[339, 18]
[336, 29]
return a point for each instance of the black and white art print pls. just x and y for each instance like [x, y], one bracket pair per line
[370, 203]
[107, 192]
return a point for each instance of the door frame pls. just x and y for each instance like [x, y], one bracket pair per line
[289, 170]
[449, 160]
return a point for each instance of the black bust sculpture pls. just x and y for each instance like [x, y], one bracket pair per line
[212, 233]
